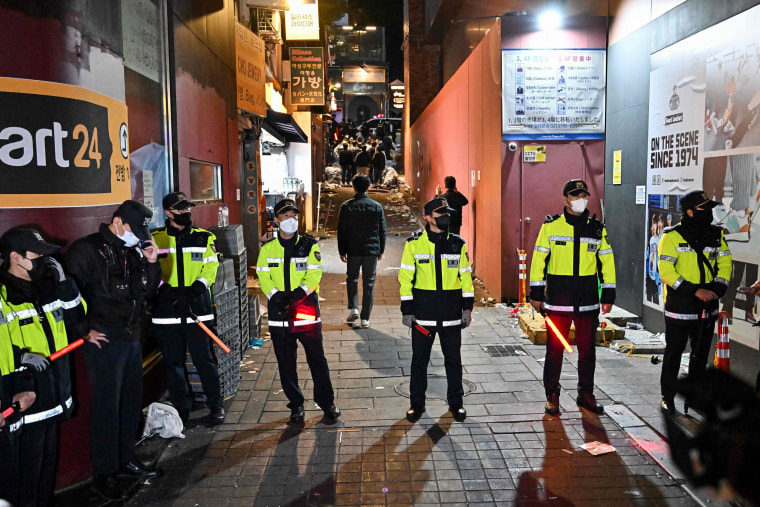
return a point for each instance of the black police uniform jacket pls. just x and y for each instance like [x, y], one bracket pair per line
[114, 281]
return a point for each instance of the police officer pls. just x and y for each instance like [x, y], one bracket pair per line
[116, 269]
[289, 269]
[695, 266]
[188, 269]
[571, 259]
[16, 387]
[40, 302]
[436, 298]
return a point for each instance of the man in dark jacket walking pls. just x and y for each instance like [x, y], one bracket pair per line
[361, 243]
[456, 201]
[378, 165]
[346, 160]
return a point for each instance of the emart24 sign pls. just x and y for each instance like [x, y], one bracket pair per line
[60, 146]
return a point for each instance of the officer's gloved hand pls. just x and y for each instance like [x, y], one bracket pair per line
[297, 296]
[181, 301]
[198, 288]
[52, 268]
[466, 318]
[407, 320]
[279, 300]
[36, 361]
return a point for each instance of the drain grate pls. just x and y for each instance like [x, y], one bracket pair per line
[504, 350]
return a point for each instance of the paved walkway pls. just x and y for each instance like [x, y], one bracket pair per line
[506, 452]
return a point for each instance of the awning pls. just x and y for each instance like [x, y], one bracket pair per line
[285, 126]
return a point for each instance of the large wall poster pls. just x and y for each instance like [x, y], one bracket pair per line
[704, 132]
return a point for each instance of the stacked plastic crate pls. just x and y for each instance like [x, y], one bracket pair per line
[227, 314]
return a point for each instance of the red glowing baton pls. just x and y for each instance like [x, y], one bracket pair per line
[212, 335]
[421, 329]
[65, 350]
[8, 411]
[559, 335]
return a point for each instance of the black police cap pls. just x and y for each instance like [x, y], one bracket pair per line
[574, 187]
[176, 200]
[26, 240]
[438, 204]
[137, 216]
[285, 205]
[696, 198]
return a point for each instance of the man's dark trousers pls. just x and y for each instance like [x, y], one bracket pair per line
[345, 173]
[676, 336]
[115, 373]
[368, 266]
[585, 340]
[286, 349]
[174, 341]
[39, 460]
[451, 342]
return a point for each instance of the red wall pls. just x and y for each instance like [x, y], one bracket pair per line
[457, 134]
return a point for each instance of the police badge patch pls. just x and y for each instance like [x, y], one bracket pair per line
[318, 255]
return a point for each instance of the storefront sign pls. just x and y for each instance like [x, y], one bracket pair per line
[617, 167]
[534, 154]
[553, 94]
[302, 22]
[141, 31]
[250, 71]
[307, 77]
[399, 98]
[61, 146]
[364, 88]
[704, 133]
[363, 75]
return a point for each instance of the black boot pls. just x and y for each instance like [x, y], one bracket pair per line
[588, 401]
[552, 404]
[414, 413]
[297, 414]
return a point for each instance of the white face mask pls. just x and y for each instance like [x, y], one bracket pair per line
[579, 206]
[289, 225]
[128, 238]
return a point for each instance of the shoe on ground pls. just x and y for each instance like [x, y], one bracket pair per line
[109, 488]
[588, 401]
[218, 414]
[136, 469]
[414, 413]
[459, 413]
[668, 406]
[365, 324]
[552, 404]
[297, 414]
[352, 316]
[331, 412]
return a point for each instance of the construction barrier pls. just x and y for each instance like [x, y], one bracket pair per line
[522, 275]
[722, 350]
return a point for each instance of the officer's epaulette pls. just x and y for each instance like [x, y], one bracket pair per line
[160, 229]
[268, 241]
[309, 240]
[550, 218]
[671, 228]
[414, 236]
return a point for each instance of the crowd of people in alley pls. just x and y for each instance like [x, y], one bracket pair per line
[99, 294]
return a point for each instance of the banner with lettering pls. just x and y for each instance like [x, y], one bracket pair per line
[704, 133]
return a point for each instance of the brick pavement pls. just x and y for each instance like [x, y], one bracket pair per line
[506, 452]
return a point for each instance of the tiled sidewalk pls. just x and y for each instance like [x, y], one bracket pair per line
[507, 452]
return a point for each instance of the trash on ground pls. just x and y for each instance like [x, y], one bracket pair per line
[596, 448]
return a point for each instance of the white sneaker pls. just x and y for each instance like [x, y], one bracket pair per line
[353, 315]
[365, 324]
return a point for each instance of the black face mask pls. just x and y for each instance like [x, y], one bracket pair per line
[39, 268]
[183, 219]
[702, 217]
[443, 222]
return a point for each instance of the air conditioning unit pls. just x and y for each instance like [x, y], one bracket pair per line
[269, 25]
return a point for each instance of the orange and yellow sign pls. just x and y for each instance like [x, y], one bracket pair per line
[61, 146]
[250, 71]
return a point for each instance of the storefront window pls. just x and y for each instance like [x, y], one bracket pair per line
[205, 181]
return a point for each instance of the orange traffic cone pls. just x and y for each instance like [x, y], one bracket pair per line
[722, 360]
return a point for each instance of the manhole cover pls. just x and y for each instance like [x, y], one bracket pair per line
[436, 389]
[504, 350]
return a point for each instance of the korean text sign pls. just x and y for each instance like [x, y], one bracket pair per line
[307, 77]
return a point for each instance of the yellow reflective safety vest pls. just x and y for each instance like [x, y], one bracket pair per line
[186, 256]
[37, 321]
[571, 260]
[287, 265]
[13, 380]
[436, 279]
[690, 258]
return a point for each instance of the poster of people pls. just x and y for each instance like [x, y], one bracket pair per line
[704, 132]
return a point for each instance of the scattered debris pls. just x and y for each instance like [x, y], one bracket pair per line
[597, 448]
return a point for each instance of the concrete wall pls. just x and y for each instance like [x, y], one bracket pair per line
[459, 133]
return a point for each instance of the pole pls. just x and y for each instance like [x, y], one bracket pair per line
[522, 274]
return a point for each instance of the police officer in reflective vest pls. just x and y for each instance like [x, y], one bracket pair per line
[16, 387]
[289, 269]
[571, 260]
[39, 303]
[436, 298]
[188, 268]
[695, 267]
